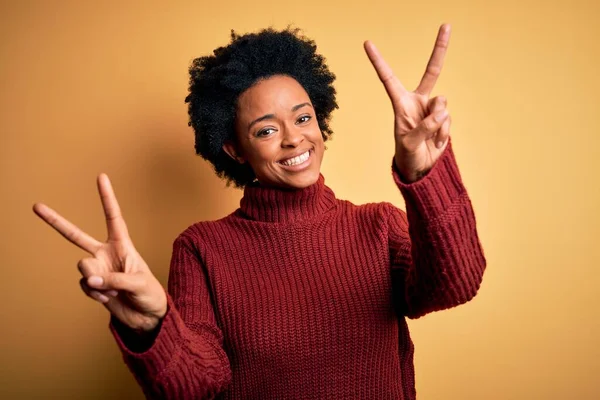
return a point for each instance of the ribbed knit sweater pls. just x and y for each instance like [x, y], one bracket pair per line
[300, 295]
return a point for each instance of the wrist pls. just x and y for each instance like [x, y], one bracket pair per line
[158, 310]
[155, 318]
[136, 339]
[404, 176]
[149, 327]
[407, 175]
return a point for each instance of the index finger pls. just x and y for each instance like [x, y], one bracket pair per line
[392, 84]
[117, 229]
[436, 61]
[71, 232]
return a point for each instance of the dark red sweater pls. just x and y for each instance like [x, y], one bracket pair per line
[299, 295]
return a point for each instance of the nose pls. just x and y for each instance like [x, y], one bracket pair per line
[292, 137]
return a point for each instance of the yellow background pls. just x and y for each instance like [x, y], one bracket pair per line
[100, 88]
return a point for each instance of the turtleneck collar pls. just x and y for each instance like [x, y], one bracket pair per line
[268, 204]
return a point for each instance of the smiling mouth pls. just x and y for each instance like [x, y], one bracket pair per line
[290, 162]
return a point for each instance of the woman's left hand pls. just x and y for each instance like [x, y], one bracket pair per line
[421, 124]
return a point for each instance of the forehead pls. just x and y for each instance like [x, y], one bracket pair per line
[271, 95]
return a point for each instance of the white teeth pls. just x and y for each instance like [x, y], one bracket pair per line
[296, 160]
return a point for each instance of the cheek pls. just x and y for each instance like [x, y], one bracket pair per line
[317, 138]
[263, 153]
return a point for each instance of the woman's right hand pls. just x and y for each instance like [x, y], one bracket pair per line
[115, 274]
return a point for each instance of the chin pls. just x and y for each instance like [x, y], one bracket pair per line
[303, 180]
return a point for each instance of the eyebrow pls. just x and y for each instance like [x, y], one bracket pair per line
[271, 116]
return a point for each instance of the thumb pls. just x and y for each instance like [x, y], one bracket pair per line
[437, 103]
[117, 281]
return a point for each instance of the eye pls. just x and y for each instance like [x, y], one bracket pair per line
[303, 119]
[265, 132]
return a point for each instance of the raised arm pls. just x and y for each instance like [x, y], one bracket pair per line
[170, 342]
[436, 258]
[184, 358]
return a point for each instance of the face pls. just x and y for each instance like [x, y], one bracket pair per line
[278, 134]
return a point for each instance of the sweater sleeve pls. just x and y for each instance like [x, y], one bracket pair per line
[436, 258]
[185, 358]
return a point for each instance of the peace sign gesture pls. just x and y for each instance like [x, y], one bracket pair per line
[115, 275]
[421, 124]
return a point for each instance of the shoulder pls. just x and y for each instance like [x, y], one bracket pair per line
[196, 233]
[376, 211]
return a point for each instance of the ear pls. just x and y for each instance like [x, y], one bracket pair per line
[229, 148]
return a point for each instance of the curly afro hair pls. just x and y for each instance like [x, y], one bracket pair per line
[216, 82]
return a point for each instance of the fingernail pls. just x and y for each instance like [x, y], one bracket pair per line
[439, 144]
[112, 293]
[441, 116]
[101, 298]
[95, 281]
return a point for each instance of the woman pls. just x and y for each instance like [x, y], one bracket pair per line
[296, 294]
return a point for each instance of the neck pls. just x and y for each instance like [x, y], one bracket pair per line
[272, 204]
